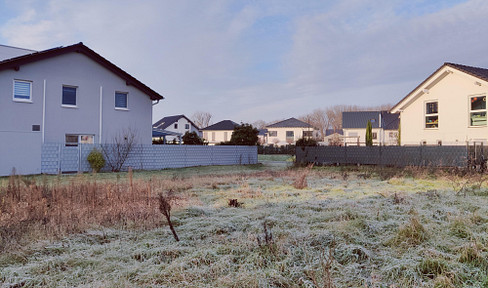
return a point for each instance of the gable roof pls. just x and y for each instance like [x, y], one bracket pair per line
[480, 73]
[329, 132]
[359, 120]
[16, 62]
[222, 125]
[167, 121]
[7, 52]
[290, 123]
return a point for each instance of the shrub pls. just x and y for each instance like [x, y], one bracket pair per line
[302, 142]
[96, 160]
[192, 139]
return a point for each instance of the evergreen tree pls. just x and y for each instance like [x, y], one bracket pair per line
[192, 139]
[369, 134]
[244, 134]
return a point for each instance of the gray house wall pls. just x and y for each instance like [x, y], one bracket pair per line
[95, 85]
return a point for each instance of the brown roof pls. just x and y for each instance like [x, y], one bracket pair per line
[15, 63]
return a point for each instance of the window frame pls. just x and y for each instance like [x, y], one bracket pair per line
[477, 111]
[126, 100]
[434, 125]
[76, 96]
[187, 126]
[80, 139]
[273, 133]
[23, 100]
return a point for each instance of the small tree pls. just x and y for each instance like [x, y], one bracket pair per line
[192, 138]
[244, 134]
[369, 134]
[117, 152]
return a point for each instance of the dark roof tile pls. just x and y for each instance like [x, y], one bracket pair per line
[290, 123]
[222, 125]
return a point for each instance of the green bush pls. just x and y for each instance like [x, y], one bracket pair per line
[96, 160]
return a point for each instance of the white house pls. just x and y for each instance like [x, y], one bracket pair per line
[219, 132]
[66, 95]
[384, 124]
[289, 131]
[447, 108]
[177, 126]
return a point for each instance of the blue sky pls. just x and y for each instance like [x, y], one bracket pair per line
[261, 60]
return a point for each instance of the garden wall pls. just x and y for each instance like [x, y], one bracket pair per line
[400, 156]
[60, 158]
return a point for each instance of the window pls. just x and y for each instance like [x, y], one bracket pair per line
[273, 133]
[431, 115]
[307, 134]
[290, 134]
[225, 136]
[22, 91]
[375, 135]
[176, 126]
[187, 126]
[69, 96]
[121, 100]
[213, 136]
[71, 140]
[477, 111]
[75, 139]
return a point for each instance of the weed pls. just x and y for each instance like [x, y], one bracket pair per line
[322, 278]
[411, 233]
[301, 181]
[432, 267]
[165, 208]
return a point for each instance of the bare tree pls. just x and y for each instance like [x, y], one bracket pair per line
[318, 119]
[201, 119]
[260, 124]
[117, 152]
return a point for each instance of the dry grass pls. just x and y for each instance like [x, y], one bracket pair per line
[347, 227]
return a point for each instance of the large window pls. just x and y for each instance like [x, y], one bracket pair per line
[273, 133]
[290, 136]
[431, 115]
[307, 134]
[69, 96]
[22, 91]
[121, 100]
[477, 111]
[75, 139]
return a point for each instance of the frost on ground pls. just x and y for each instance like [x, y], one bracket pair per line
[347, 227]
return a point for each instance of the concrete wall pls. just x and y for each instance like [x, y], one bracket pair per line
[452, 93]
[57, 157]
[20, 150]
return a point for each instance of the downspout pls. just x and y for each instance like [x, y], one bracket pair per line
[100, 121]
[43, 111]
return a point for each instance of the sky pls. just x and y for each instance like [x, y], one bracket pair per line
[261, 60]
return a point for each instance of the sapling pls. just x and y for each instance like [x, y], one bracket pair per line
[165, 208]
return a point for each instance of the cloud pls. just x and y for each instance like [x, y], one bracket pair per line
[249, 60]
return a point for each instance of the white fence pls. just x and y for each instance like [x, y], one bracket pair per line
[60, 158]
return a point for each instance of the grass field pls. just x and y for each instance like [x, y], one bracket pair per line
[292, 227]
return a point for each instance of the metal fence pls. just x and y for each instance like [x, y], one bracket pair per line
[400, 156]
[56, 158]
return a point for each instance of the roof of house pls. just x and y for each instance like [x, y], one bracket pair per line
[481, 73]
[162, 133]
[16, 62]
[290, 123]
[7, 52]
[222, 125]
[359, 120]
[167, 121]
[329, 132]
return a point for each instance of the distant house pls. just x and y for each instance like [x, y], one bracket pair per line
[68, 95]
[174, 127]
[447, 108]
[385, 127]
[262, 136]
[333, 137]
[219, 132]
[289, 131]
